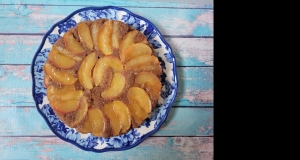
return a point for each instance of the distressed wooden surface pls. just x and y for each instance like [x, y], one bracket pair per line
[187, 51]
[180, 121]
[189, 129]
[195, 86]
[134, 3]
[156, 148]
[39, 19]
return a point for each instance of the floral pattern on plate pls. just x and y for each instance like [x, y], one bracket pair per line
[135, 135]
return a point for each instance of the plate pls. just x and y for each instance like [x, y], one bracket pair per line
[168, 79]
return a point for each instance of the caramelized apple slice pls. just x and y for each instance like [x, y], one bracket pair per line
[115, 35]
[135, 50]
[113, 118]
[47, 80]
[124, 115]
[101, 66]
[95, 27]
[99, 121]
[65, 52]
[138, 114]
[140, 61]
[85, 35]
[62, 77]
[150, 83]
[64, 106]
[153, 68]
[86, 126]
[104, 38]
[96, 118]
[116, 87]
[85, 70]
[72, 44]
[139, 96]
[65, 96]
[58, 90]
[126, 42]
[80, 112]
[60, 61]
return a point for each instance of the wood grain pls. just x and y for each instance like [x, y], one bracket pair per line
[187, 51]
[134, 3]
[188, 28]
[154, 148]
[39, 19]
[195, 86]
[180, 121]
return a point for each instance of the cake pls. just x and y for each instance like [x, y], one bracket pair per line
[102, 77]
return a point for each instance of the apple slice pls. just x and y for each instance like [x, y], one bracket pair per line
[86, 126]
[140, 61]
[65, 96]
[150, 83]
[124, 115]
[58, 90]
[65, 52]
[85, 70]
[47, 80]
[101, 65]
[104, 37]
[128, 39]
[139, 96]
[115, 35]
[60, 61]
[62, 77]
[113, 118]
[95, 32]
[95, 28]
[153, 68]
[64, 106]
[135, 50]
[138, 114]
[80, 112]
[72, 44]
[100, 122]
[116, 87]
[96, 118]
[85, 35]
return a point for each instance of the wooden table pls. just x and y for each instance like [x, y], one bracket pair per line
[188, 132]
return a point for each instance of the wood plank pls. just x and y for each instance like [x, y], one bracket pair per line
[188, 51]
[182, 148]
[39, 19]
[180, 121]
[192, 51]
[195, 86]
[134, 3]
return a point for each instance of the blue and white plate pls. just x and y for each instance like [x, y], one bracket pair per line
[134, 136]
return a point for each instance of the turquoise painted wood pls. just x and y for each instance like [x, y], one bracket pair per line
[170, 21]
[180, 121]
[187, 51]
[192, 51]
[134, 3]
[195, 86]
[188, 132]
[153, 148]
